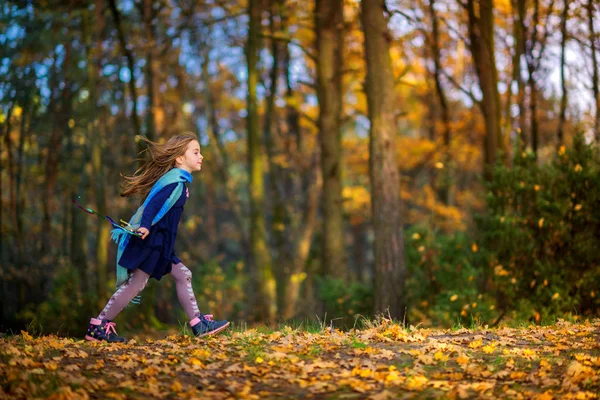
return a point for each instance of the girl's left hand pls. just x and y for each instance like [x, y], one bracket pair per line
[144, 232]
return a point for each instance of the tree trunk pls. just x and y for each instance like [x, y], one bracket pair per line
[97, 151]
[563, 81]
[3, 233]
[78, 222]
[481, 43]
[302, 242]
[19, 196]
[595, 78]
[151, 70]
[444, 182]
[220, 153]
[519, 52]
[390, 270]
[131, 65]
[261, 259]
[62, 113]
[329, 43]
[279, 227]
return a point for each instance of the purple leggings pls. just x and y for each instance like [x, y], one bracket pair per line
[137, 282]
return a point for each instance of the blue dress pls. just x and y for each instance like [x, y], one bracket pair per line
[155, 254]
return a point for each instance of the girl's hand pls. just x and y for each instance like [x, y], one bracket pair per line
[143, 231]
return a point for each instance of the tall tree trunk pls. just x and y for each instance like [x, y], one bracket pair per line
[11, 169]
[444, 183]
[302, 242]
[279, 227]
[19, 198]
[78, 222]
[519, 52]
[62, 113]
[98, 147]
[131, 66]
[330, 38]
[151, 70]
[6, 140]
[595, 78]
[563, 81]
[261, 259]
[220, 153]
[390, 270]
[481, 43]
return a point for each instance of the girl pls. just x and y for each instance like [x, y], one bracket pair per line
[161, 181]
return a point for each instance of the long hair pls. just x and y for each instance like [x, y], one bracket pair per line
[162, 159]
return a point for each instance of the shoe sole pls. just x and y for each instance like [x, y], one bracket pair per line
[215, 331]
[92, 339]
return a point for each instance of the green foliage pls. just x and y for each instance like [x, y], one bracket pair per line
[343, 300]
[541, 233]
[443, 276]
[220, 290]
[56, 314]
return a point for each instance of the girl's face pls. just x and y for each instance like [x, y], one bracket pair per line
[191, 160]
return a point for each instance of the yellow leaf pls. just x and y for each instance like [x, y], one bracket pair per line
[561, 150]
[555, 296]
[474, 248]
[440, 356]
[439, 165]
[462, 359]
[476, 343]
[259, 360]
[541, 222]
[417, 382]
[489, 349]
[176, 387]
[578, 207]
[26, 336]
[547, 395]
[528, 353]
[195, 361]
[416, 236]
[392, 376]
[578, 168]
[454, 297]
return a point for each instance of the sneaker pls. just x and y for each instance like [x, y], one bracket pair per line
[203, 325]
[103, 330]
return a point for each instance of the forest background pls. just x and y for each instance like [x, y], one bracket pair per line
[487, 112]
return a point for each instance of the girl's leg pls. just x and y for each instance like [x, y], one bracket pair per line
[122, 297]
[185, 293]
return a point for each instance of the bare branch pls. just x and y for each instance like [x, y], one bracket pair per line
[292, 42]
[459, 87]
[311, 85]
[309, 119]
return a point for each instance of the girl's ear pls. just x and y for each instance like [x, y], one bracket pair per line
[178, 161]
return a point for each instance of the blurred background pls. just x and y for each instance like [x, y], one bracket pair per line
[495, 125]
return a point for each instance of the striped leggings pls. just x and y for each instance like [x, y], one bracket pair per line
[137, 282]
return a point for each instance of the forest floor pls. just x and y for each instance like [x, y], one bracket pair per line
[382, 362]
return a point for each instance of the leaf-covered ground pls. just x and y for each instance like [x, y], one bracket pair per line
[385, 361]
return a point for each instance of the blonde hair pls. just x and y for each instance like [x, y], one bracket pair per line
[162, 159]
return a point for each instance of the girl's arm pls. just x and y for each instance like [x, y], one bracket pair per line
[154, 206]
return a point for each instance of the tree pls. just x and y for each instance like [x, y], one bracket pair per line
[329, 43]
[481, 43]
[390, 271]
[563, 81]
[260, 257]
[595, 77]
